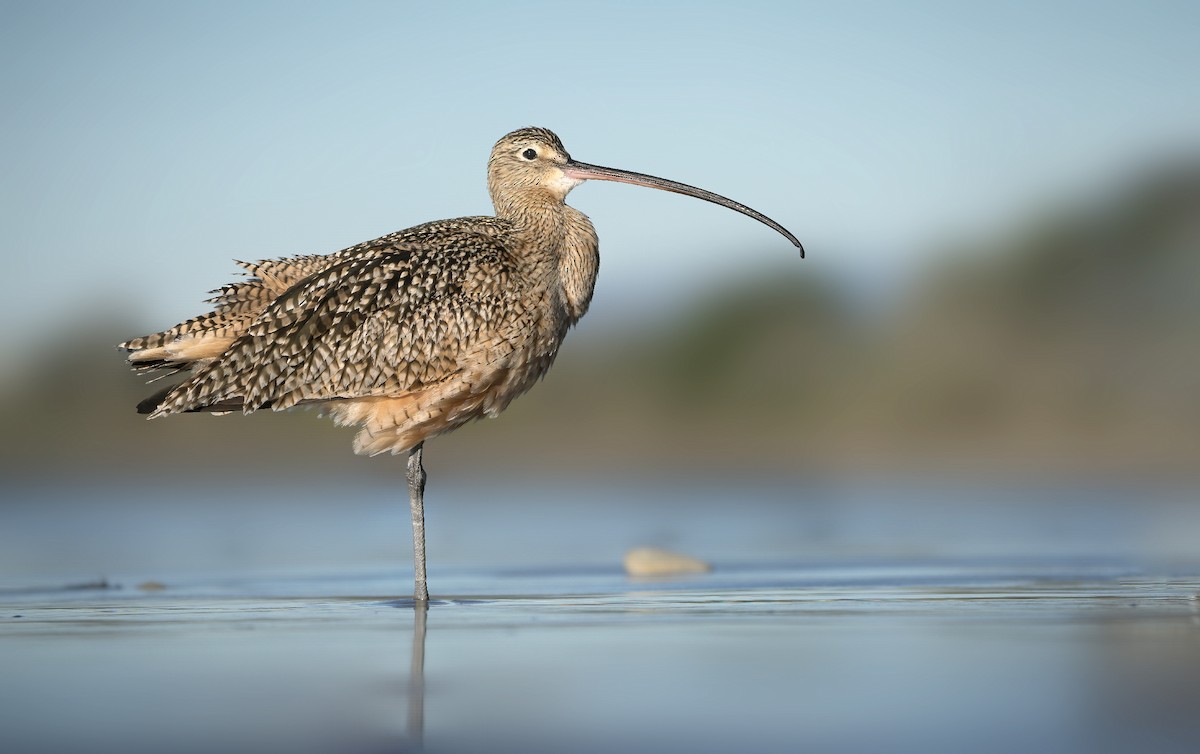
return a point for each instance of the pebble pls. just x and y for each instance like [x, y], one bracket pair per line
[651, 561]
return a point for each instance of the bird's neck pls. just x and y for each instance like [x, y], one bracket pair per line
[567, 239]
[538, 216]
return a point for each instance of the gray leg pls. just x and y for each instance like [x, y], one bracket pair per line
[416, 494]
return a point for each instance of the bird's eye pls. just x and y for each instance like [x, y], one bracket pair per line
[529, 154]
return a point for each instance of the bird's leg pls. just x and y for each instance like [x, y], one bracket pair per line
[416, 494]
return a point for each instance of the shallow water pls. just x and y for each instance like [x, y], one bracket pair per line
[858, 618]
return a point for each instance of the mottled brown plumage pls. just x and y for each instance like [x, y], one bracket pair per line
[412, 334]
[409, 335]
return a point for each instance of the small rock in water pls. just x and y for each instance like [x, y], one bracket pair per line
[651, 561]
[152, 586]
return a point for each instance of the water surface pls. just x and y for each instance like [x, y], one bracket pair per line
[852, 618]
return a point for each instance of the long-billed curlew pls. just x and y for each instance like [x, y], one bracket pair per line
[412, 334]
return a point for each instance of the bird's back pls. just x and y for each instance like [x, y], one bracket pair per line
[408, 335]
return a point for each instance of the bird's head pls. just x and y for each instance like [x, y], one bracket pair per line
[531, 166]
[529, 160]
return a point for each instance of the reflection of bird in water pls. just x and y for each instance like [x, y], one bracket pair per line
[416, 677]
[412, 334]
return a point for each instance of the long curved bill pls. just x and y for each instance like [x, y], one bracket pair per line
[583, 171]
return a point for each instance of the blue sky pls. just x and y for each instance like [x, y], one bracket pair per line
[145, 145]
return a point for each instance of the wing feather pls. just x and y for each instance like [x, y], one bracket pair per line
[379, 324]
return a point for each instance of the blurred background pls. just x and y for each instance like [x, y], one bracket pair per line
[1001, 207]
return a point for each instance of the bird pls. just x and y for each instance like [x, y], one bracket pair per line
[415, 333]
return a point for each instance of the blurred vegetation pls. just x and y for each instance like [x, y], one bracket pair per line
[1069, 346]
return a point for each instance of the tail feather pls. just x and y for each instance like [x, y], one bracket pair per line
[193, 345]
[151, 404]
